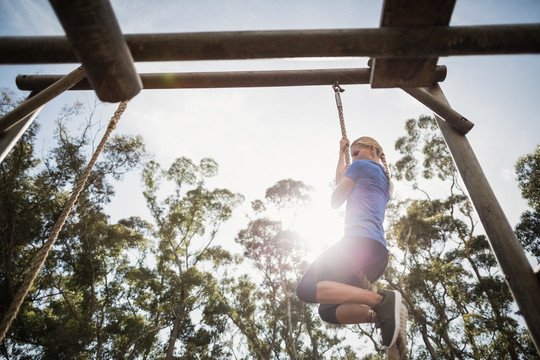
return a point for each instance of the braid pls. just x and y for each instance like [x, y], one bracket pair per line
[387, 171]
[385, 165]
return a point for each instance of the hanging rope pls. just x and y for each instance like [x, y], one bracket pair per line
[44, 251]
[337, 91]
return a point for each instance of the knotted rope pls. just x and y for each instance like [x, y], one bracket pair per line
[337, 91]
[44, 251]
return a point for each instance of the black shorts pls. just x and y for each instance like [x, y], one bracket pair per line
[344, 262]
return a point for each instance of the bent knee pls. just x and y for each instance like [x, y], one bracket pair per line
[306, 291]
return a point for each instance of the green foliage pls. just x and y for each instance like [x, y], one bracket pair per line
[528, 232]
[437, 161]
[182, 285]
[528, 176]
[70, 311]
[459, 304]
[288, 192]
[113, 290]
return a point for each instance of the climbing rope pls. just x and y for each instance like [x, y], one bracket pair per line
[337, 91]
[44, 251]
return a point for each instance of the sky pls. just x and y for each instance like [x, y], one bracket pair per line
[259, 136]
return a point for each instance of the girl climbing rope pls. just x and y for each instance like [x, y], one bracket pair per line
[337, 278]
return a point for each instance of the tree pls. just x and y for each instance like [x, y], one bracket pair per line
[459, 305]
[181, 292]
[273, 321]
[67, 312]
[528, 176]
[25, 206]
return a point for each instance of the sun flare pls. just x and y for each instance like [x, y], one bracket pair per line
[319, 224]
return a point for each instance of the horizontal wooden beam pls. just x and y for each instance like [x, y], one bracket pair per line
[388, 42]
[191, 80]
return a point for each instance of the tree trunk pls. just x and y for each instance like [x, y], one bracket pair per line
[174, 332]
[313, 339]
[292, 342]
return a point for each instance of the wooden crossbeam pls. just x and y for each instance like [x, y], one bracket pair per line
[415, 14]
[228, 79]
[386, 42]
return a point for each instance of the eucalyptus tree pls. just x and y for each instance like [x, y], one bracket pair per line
[69, 309]
[182, 294]
[528, 177]
[459, 304]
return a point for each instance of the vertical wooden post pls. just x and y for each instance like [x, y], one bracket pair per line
[518, 273]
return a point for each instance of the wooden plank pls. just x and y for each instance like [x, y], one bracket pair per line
[414, 13]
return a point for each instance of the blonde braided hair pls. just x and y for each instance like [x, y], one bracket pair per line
[367, 141]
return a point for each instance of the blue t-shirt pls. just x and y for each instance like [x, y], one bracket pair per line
[366, 203]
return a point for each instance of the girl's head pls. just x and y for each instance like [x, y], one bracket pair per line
[368, 148]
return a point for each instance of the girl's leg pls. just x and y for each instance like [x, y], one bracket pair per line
[355, 302]
[332, 281]
[354, 314]
[332, 292]
[342, 314]
[387, 312]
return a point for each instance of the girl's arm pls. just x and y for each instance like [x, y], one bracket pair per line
[341, 167]
[341, 192]
[344, 184]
